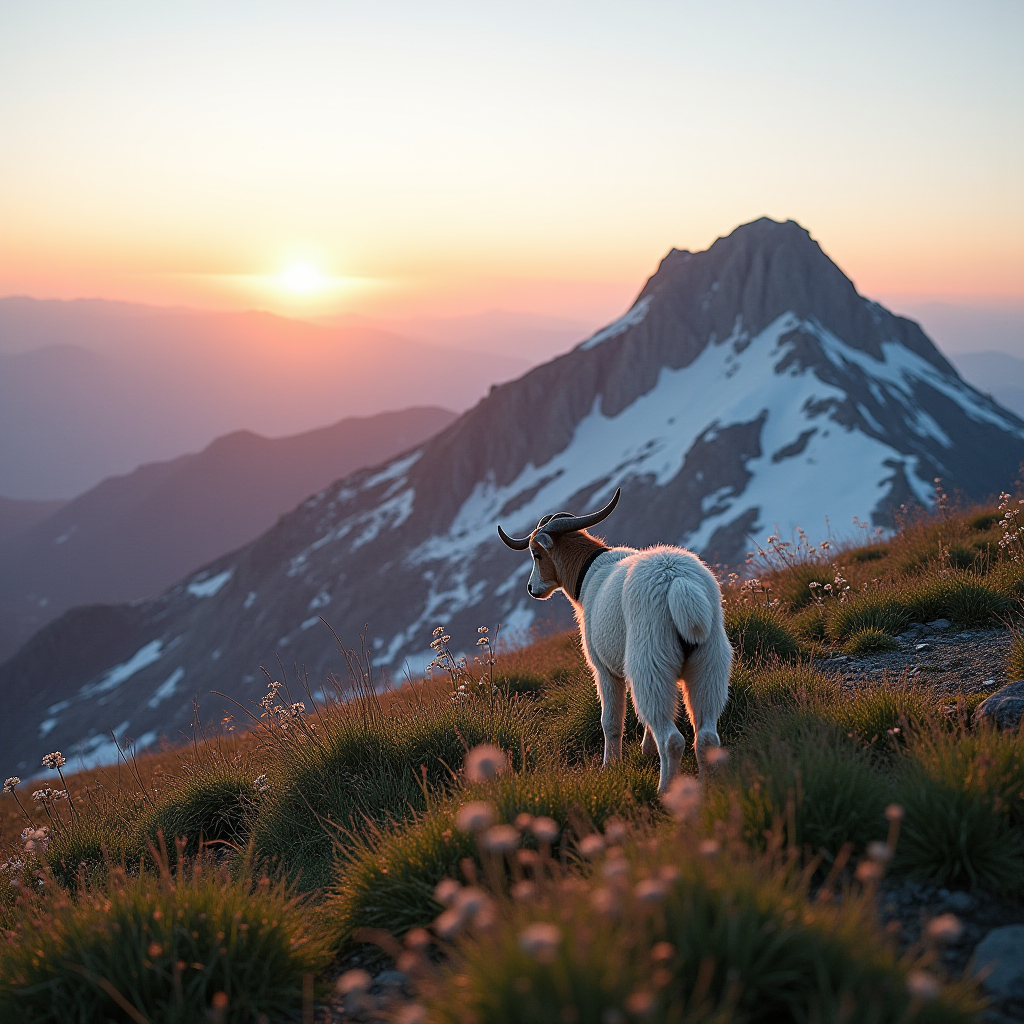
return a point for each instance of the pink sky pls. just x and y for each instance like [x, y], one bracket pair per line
[399, 161]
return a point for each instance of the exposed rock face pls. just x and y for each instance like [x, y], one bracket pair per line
[749, 387]
[1004, 708]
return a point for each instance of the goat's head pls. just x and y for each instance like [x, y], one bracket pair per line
[547, 547]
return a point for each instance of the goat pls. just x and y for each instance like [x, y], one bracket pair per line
[647, 619]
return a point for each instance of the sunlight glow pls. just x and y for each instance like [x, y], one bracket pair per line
[302, 277]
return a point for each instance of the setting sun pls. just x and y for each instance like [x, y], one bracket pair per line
[302, 277]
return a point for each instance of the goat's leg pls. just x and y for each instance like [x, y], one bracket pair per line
[705, 691]
[655, 697]
[612, 691]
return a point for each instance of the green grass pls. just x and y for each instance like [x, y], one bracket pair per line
[761, 634]
[164, 944]
[878, 610]
[869, 641]
[387, 881]
[729, 937]
[1015, 658]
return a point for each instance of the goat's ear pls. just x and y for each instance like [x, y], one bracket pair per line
[544, 541]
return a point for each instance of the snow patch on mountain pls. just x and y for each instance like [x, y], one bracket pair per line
[114, 677]
[633, 317]
[209, 586]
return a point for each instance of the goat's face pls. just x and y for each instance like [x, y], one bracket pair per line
[544, 578]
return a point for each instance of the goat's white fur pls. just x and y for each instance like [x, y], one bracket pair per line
[632, 609]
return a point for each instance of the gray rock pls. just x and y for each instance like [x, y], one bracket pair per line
[1004, 708]
[961, 902]
[940, 624]
[1001, 954]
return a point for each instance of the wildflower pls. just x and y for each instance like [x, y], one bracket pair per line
[615, 866]
[651, 890]
[470, 902]
[35, 839]
[54, 760]
[708, 847]
[605, 902]
[439, 631]
[662, 952]
[448, 924]
[412, 1013]
[418, 938]
[523, 892]
[540, 940]
[640, 1003]
[615, 831]
[483, 642]
[297, 709]
[261, 784]
[481, 629]
[894, 812]
[446, 890]
[716, 755]
[921, 985]
[10, 784]
[869, 871]
[524, 822]
[43, 796]
[475, 816]
[592, 845]
[154, 950]
[545, 829]
[59, 794]
[880, 853]
[501, 838]
[13, 865]
[944, 928]
[484, 762]
[353, 981]
[682, 797]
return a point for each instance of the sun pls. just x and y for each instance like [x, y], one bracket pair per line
[302, 277]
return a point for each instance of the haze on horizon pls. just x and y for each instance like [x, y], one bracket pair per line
[319, 159]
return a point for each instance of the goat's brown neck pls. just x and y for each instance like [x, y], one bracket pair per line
[572, 553]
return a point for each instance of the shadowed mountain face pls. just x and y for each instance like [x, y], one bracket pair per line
[749, 389]
[132, 536]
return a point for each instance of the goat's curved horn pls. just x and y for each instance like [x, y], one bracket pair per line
[566, 524]
[516, 544]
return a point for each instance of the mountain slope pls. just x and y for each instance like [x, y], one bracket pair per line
[132, 536]
[997, 373]
[91, 389]
[749, 387]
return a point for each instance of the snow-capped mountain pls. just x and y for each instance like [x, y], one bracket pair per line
[750, 387]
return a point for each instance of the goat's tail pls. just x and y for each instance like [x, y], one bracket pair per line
[691, 609]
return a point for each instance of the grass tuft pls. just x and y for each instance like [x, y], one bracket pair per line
[869, 641]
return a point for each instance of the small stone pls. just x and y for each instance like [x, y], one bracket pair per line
[961, 902]
[988, 682]
[1004, 708]
[1001, 952]
[940, 624]
[922, 647]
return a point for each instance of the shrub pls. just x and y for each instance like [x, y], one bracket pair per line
[683, 937]
[164, 944]
[388, 880]
[810, 623]
[793, 585]
[365, 768]
[869, 641]
[884, 715]
[962, 794]
[208, 802]
[869, 553]
[962, 598]
[874, 609]
[802, 777]
[760, 634]
[984, 520]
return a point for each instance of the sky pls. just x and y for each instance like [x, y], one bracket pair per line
[409, 159]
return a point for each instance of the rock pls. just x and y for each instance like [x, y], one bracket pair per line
[1004, 708]
[1001, 953]
[922, 647]
[961, 902]
[940, 624]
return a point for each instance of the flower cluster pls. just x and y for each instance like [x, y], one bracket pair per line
[261, 784]
[11, 783]
[36, 840]
[837, 590]
[280, 714]
[49, 796]
[55, 760]
[1012, 540]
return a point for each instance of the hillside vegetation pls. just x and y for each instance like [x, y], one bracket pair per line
[458, 828]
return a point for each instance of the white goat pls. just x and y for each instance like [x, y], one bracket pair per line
[648, 619]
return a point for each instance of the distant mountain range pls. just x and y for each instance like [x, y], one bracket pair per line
[749, 389]
[90, 389]
[131, 536]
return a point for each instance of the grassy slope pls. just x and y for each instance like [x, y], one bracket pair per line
[359, 811]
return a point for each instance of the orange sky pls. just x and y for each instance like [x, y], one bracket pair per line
[530, 157]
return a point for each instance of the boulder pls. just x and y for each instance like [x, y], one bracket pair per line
[1004, 708]
[940, 624]
[1000, 957]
